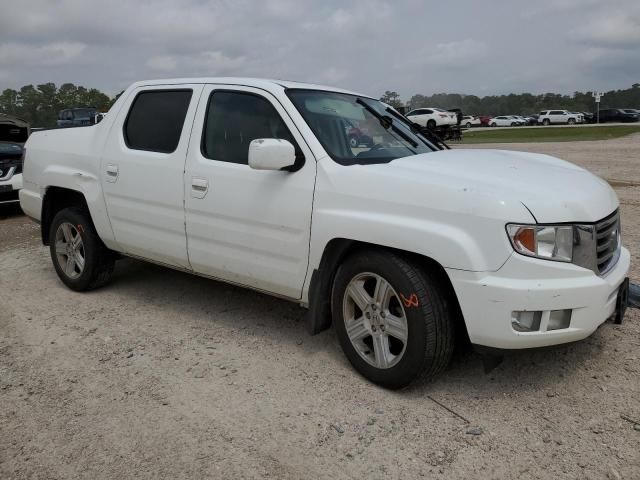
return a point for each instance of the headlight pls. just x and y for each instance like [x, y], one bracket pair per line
[543, 241]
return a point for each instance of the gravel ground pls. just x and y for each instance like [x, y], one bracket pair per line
[166, 375]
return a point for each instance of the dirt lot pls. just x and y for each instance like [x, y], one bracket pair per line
[166, 375]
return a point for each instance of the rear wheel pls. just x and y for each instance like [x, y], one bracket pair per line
[79, 257]
[513, 124]
[393, 320]
[431, 124]
[468, 125]
[353, 141]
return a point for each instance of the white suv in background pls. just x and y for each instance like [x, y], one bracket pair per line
[547, 117]
[432, 117]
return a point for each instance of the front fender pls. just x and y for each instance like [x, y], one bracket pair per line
[458, 228]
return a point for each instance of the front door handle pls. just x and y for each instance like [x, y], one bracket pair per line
[112, 172]
[199, 187]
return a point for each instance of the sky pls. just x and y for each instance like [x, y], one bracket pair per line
[480, 47]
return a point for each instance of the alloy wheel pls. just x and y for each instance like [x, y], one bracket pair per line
[375, 320]
[69, 250]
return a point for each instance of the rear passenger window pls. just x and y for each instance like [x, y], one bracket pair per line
[156, 119]
[233, 120]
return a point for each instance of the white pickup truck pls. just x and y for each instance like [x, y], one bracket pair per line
[402, 244]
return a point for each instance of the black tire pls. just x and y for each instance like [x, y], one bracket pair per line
[431, 124]
[353, 141]
[513, 124]
[430, 322]
[546, 122]
[468, 125]
[492, 124]
[571, 121]
[99, 261]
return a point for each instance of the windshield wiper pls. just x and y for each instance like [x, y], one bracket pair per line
[387, 122]
[419, 132]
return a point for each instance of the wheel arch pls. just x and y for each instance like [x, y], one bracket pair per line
[54, 200]
[334, 254]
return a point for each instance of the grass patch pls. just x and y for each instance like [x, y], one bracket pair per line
[549, 134]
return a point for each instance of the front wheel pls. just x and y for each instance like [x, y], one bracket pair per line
[393, 320]
[571, 121]
[80, 258]
[546, 122]
[468, 125]
[431, 124]
[493, 124]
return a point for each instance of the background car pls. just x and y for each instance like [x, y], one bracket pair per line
[617, 115]
[532, 118]
[432, 117]
[470, 121]
[588, 117]
[485, 120]
[548, 117]
[503, 121]
[13, 133]
[77, 117]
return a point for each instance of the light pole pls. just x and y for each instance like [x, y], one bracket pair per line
[597, 96]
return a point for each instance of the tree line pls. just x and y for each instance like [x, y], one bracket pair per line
[518, 104]
[39, 105]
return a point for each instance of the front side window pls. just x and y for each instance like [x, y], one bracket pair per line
[233, 120]
[357, 130]
[155, 120]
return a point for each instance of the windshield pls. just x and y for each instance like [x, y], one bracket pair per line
[356, 130]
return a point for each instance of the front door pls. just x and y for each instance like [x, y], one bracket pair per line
[247, 226]
[142, 170]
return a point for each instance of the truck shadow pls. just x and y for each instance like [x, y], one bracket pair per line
[283, 322]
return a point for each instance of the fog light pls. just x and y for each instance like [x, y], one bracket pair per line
[526, 321]
[559, 319]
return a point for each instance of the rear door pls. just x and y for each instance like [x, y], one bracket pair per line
[247, 226]
[142, 172]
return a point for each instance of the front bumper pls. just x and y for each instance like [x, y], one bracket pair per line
[9, 189]
[488, 299]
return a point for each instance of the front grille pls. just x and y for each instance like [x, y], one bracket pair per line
[607, 242]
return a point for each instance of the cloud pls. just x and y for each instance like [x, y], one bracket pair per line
[457, 54]
[370, 46]
[617, 30]
[59, 53]
[162, 63]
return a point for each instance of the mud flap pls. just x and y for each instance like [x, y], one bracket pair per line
[634, 295]
[621, 302]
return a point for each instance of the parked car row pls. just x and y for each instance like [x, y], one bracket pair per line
[437, 117]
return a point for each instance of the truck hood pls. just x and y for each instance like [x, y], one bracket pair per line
[552, 190]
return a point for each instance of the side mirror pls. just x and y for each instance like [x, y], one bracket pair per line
[272, 154]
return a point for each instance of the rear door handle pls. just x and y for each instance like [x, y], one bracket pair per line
[112, 172]
[199, 187]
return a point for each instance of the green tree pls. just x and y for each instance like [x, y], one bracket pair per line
[39, 105]
[391, 98]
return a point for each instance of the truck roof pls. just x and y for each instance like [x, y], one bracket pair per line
[263, 83]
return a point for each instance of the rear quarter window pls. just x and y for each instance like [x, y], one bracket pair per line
[155, 120]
